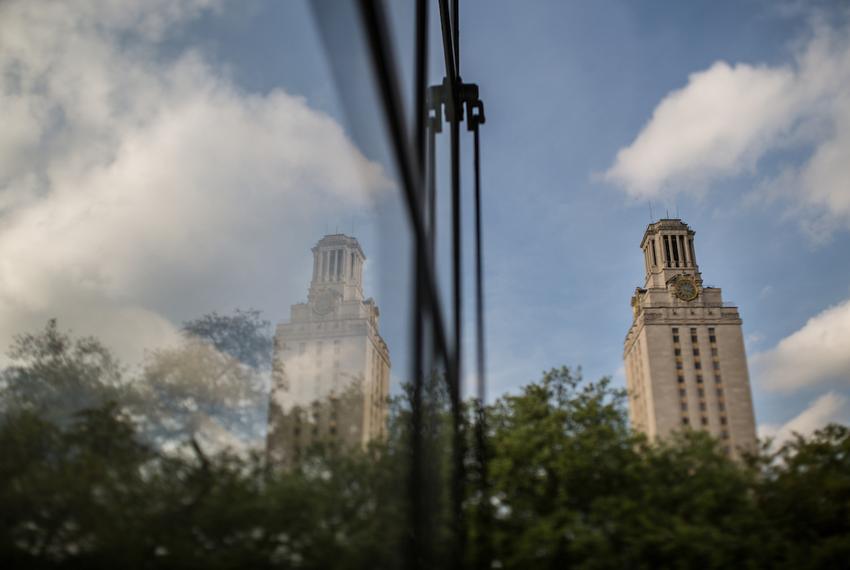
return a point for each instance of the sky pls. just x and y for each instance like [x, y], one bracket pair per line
[165, 159]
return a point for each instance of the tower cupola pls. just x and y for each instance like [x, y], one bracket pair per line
[338, 266]
[668, 251]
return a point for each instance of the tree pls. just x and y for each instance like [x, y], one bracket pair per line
[570, 483]
[214, 384]
[805, 497]
[574, 486]
[56, 376]
[244, 335]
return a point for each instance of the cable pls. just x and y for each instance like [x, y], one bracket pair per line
[415, 552]
[374, 20]
[456, 34]
[483, 557]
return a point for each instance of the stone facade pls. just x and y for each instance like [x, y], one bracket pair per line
[686, 367]
[331, 368]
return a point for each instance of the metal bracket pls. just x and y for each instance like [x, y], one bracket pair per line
[440, 104]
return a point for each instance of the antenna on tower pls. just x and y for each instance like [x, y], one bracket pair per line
[666, 213]
[651, 219]
[677, 212]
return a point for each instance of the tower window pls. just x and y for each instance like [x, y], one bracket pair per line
[691, 249]
[723, 421]
[652, 247]
[704, 420]
[716, 365]
[675, 251]
[699, 378]
[680, 379]
[713, 352]
[677, 351]
[685, 421]
[696, 352]
[352, 266]
[698, 365]
[667, 251]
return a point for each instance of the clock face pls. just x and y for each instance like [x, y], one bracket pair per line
[685, 288]
[324, 303]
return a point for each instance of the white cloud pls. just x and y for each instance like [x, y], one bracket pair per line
[829, 408]
[727, 117]
[131, 184]
[720, 123]
[819, 352]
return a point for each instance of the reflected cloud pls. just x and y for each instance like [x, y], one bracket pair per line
[135, 186]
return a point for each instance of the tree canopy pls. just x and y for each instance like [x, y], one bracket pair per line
[569, 484]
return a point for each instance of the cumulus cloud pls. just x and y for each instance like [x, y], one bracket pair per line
[817, 353]
[828, 408]
[729, 116]
[134, 186]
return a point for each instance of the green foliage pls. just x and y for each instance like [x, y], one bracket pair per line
[805, 496]
[568, 484]
[573, 486]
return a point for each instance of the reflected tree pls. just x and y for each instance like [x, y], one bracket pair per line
[55, 375]
[215, 383]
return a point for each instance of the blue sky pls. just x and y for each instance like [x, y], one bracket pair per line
[172, 167]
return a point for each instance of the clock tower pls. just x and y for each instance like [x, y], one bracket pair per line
[685, 363]
[331, 367]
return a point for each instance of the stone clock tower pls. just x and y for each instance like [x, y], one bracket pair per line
[685, 363]
[331, 367]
